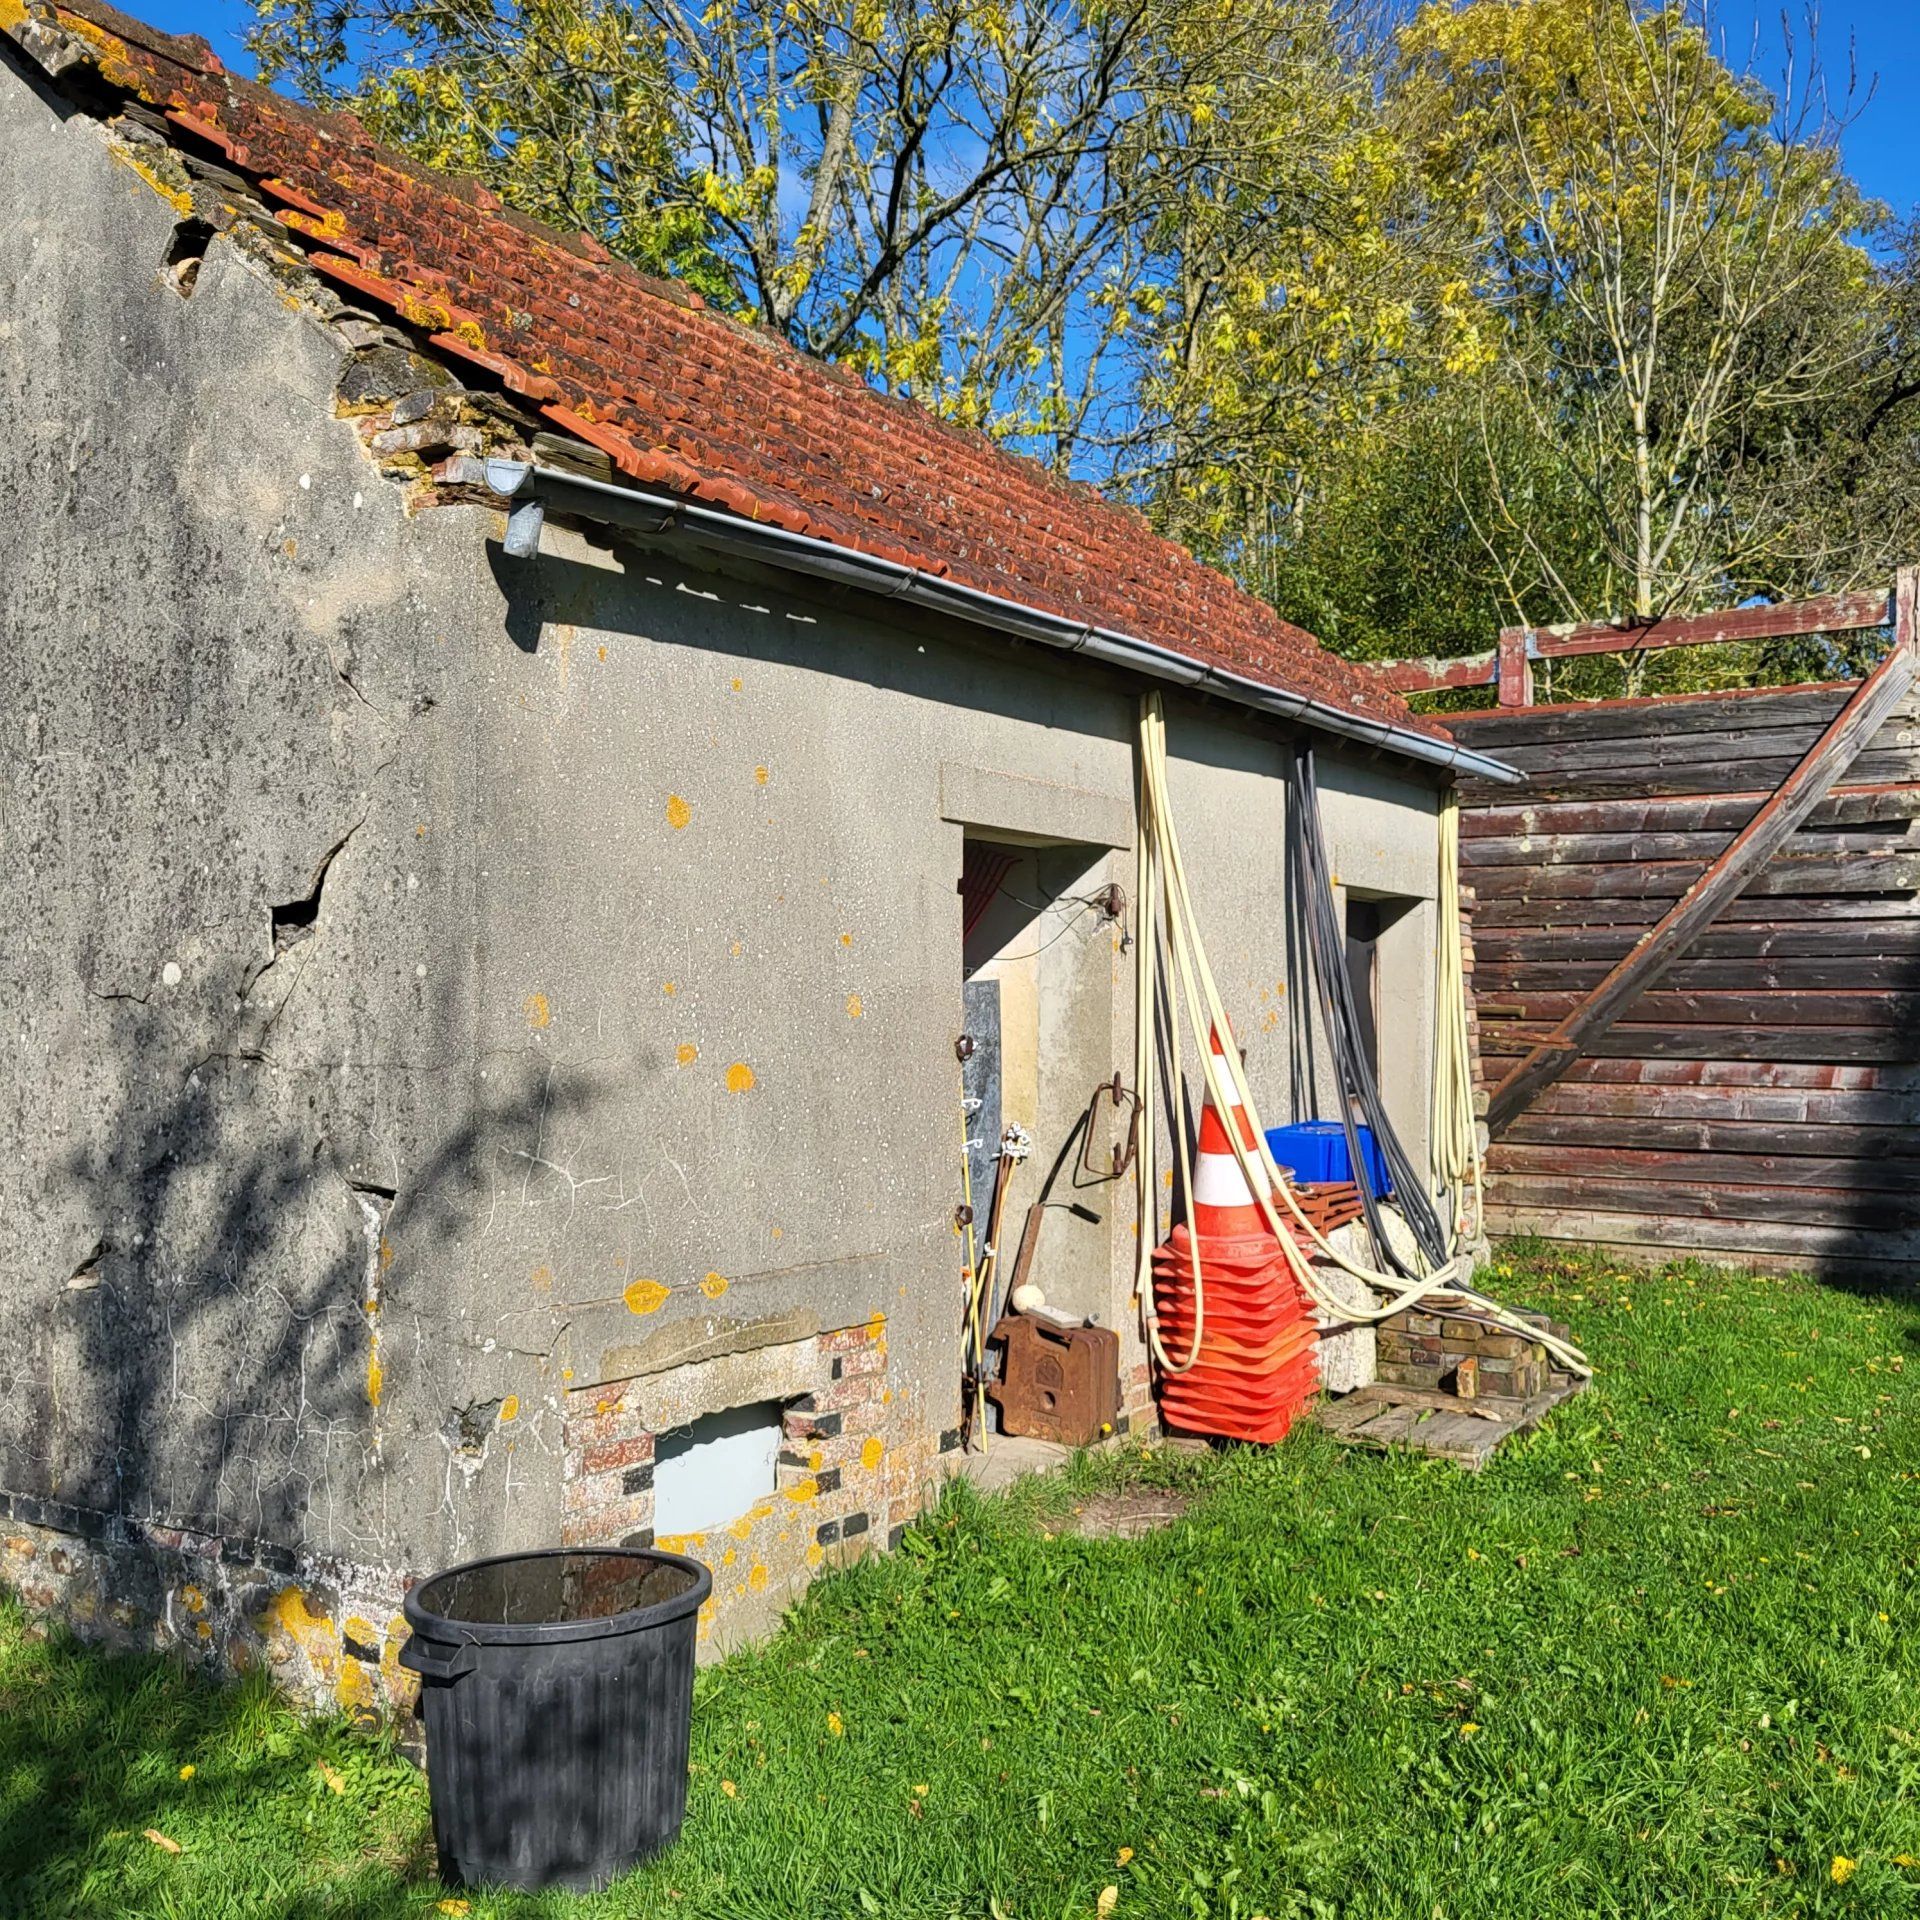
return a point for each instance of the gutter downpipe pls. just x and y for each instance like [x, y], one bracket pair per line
[530, 490]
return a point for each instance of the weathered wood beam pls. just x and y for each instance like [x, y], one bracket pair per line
[1436, 675]
[1509, 666]
[1775, 821]
[1835, 613]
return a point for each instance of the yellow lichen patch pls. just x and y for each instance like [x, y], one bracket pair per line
[803, 1490]
[539, 1014]
[761, 775]
[854, 1007]
[877, 1326]
[736, 686]
[668, 986]
[509, 1408]
[204, 1629]
[745, 1524]
[686, 1053]
[815, 1459]
[175, 197]
[815, 1553]
[353, 1690]
[645, 1296]
[739, 1077]
[193, 1599]
[678, 812]
[714, 1285]
[603, 653]
[730, 1556]
[542, 1278]
[873, 1452]
[846, 939]
[757, 1579]
[737, 949]
[376, 1376]
[292, 1627]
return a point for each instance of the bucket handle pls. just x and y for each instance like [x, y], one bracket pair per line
[426, 1659]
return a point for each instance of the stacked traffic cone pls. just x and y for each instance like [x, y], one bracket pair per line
[1255, 1368]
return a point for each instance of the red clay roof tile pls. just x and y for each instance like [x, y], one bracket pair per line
[686, 400]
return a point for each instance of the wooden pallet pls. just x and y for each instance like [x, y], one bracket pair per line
[1428, 1421]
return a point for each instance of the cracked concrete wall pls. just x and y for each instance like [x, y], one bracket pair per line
[445, 986]
[233, 682]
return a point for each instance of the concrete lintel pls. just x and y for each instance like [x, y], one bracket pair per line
[1033, 810]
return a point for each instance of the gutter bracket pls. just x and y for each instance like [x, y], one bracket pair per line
[523, 528]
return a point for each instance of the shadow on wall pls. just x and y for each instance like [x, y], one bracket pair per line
[262, 1363]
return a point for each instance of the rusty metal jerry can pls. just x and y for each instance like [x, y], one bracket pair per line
[1056, 1383]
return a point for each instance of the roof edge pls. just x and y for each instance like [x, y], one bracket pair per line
[529, 490]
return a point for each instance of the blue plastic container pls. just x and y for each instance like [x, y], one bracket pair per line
[1316, 1150]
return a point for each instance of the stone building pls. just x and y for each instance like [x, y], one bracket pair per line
[491, 755]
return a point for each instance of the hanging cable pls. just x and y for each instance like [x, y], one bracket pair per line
[1356, 1088]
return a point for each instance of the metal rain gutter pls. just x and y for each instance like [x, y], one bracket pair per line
[532, 490]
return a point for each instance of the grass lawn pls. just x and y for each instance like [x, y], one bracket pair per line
[1657, 1659]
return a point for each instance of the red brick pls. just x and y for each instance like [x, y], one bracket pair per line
[634, 1451]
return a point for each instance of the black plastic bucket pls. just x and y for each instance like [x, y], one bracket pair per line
[557, 1690]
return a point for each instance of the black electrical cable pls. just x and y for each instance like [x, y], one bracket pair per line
[1310, 903]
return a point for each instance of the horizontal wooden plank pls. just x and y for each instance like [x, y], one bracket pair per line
[1680, 813]
[1787, 873]
[1727, 1240]
[1795, 1075]
[1866, 1173]
[1719, 1106]
[1728, 626]
[1800, 1007]
[1735, 774]
[1620, 910]
[1436, 673]
[1867, 841]
[1715, 746]
[1684, 1199]
[1505, 1040]
[1896, 940]
[1885, 971]
[1494, 729]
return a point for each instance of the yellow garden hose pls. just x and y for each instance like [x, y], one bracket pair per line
[1459, 1178]
[1169, 932]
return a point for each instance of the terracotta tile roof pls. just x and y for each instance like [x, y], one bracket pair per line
[687, 401]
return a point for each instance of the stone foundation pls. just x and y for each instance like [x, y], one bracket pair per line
[328, 1631]
[853, 1470]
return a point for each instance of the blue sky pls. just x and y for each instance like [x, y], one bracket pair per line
[1880, 37]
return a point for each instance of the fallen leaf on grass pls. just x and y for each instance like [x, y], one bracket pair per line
[333, 1779]
[1125, 1854]
[161, 1841]
[454, 1907]
[1109, 1899]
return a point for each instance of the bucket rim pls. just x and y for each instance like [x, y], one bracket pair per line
[493, 1633]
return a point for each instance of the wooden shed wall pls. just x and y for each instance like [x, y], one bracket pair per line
[1761, 1102]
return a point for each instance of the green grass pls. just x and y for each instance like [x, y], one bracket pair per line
[1658, 1659]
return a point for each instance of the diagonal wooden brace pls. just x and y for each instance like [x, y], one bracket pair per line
[1757, 842]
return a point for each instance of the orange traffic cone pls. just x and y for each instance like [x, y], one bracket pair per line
[1254, 1366]
[1225, 1206]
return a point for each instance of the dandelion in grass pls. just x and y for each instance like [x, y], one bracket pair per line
[1843, 1869]
[835, 1725]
